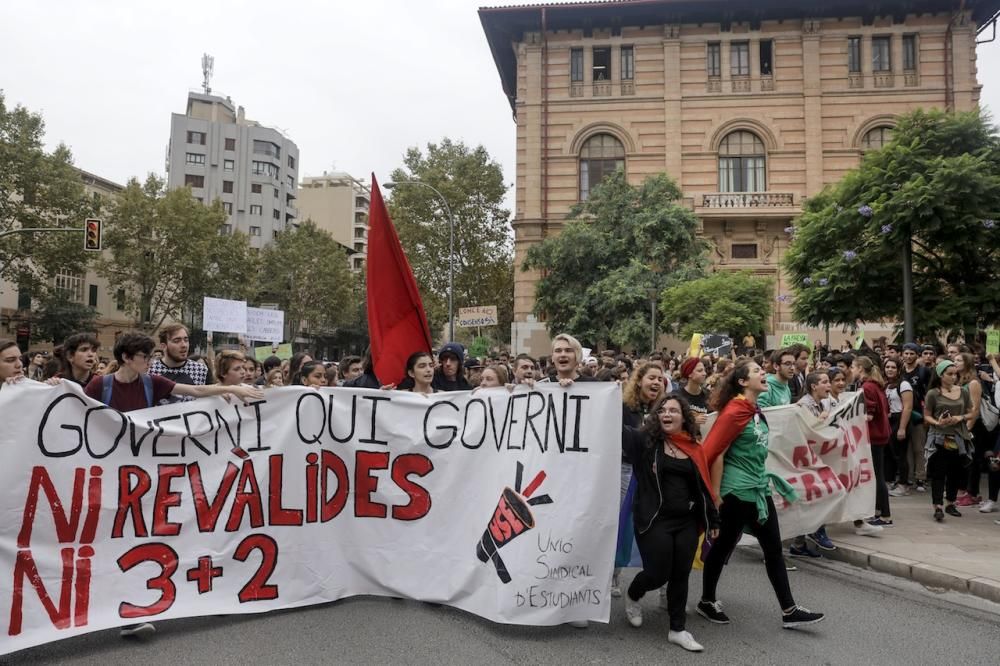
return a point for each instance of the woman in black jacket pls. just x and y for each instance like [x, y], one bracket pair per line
[673, 503]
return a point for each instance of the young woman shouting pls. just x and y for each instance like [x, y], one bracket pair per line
[673, 503]
[736, 448]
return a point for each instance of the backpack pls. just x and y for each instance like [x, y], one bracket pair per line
[108, 382]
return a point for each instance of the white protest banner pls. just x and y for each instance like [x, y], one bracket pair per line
[265, 325]
[502, 504]
[828, 463]
[223, 316]
[478, 315]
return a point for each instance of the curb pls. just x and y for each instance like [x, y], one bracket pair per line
[925, 574]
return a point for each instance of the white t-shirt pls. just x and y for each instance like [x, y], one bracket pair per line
[895, 398]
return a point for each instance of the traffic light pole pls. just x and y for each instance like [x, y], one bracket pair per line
[25, 231]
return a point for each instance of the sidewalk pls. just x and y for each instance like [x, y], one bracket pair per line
[960, 554]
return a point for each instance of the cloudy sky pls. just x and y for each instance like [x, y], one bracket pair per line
[352, 83]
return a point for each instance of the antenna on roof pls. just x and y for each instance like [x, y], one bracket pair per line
[207, 67]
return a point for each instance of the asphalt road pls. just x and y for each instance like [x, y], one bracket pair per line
[871, 619]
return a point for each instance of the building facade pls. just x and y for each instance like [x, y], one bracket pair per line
[252, 169]
[338, 203]
[87, 288]
[751, 107]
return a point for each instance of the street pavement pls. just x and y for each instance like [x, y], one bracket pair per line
[959, 554]
[872, 618]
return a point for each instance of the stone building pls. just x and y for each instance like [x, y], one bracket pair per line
[338, 203]
[750, 106]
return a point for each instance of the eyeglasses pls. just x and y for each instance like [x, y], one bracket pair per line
[788, 363]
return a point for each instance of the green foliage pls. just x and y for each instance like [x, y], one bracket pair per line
[305, 271]
[724, 302]
[618, 247]
[58, 316]
[937, 182]
[473, 186]
[164, 253]
[38, 190]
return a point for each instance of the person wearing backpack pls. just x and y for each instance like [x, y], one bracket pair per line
[131, 387]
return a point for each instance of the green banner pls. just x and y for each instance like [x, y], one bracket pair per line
[993, 342]
[789, 339]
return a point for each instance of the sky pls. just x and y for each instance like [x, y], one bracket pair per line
[354, 84]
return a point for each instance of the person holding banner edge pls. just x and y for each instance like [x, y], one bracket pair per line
[673, 503]
[736, 449]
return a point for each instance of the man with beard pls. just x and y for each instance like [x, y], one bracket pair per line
[79, 356]
[175, 364]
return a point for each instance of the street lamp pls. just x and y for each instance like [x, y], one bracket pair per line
[451, 250]
[652, 292]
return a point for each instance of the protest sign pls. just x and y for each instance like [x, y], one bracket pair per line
[828, 462]
[479, 315]
[718, 344]
[500, 503]
[993, 341]
[283, 351]
[223, 316]
[789, 339]
[265, 325]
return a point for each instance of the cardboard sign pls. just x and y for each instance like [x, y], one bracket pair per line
[720, 345]
[993, 341]
[789, 339]
[479, 315]
[264, 324]
[224, 316]
[284, 352]
[500, 503]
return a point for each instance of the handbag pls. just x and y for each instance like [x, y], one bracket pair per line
[989, 413]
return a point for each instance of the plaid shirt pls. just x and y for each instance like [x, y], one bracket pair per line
[192, 373]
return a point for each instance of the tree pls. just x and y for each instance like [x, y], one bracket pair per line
[620, 246]
[164, 254]
[305, 271]
[38, 190]
[724, 302]
[935, 185]
[473, 186]
[59, 316]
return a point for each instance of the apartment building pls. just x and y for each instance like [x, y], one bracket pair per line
[751, 107]
[338, 202]
[220, 154]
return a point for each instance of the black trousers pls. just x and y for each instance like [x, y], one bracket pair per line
[667, 555]
[897, 467]
[881, 491]
[945, 468]
[736, 514]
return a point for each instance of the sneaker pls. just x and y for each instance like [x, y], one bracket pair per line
[685, 640]
[996, 522]
[879, 521]
[579, 624]
[633, 611]
[712, 611]
[921, 487]
[821, 540]
[663, 597]
[899, 491]
[800, 617]
[939, 515]
[867, 529]
[789, 565]
[802, 551]
[968, 500]
[138, 630]
[616, 587]
[989, 506]
[952, 511]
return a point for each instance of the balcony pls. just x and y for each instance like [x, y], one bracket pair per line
[884, 80]
[744, 200]
[602, 88]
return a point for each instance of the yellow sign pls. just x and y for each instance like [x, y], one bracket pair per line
[695, 348]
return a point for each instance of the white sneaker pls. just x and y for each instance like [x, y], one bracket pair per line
[868, 530]
[616, 585]
[663, 597]
[899, 491]
[579, 624]
[633, 611]
[988, 506]
[143, 629]
[685, 640]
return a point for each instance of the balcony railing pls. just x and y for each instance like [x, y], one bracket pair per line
[748, 200]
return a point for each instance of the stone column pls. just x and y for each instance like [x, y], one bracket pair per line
[812, 105]
[673, 158]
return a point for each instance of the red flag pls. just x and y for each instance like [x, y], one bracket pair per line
[397, 324]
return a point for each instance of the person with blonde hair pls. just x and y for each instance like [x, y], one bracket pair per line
[567, 354]
[230, 368]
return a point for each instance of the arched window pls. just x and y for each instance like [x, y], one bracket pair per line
[742, 163]
[876, 137]
[601, 156]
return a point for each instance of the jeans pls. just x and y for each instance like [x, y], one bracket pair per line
[916, 462]
[945, 468]
[667, 556]
[735, 514]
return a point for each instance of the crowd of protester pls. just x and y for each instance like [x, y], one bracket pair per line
[931, 411]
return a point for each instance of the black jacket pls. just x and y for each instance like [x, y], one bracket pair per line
[442, 383]
[648, 496]
[365, 380]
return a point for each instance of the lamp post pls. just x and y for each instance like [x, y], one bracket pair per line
[451, 249]
[652, 292]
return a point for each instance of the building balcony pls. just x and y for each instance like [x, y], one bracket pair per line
[752, 204]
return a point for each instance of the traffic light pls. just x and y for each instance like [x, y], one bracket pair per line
[92, 236]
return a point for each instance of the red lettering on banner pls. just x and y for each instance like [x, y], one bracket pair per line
[208, 514]
[830, 480]
[802, 456]
[812, 491]
[166, 558]
[420, 500]
[130, 500]
[828, 445]
[24, 567]
[505, 523]
[93, 506]
[365, 484]
[165, 499]
[277, 514]
[246, 499]
[332, 506]
[82, 587]
[312, 486]
[66, 525]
